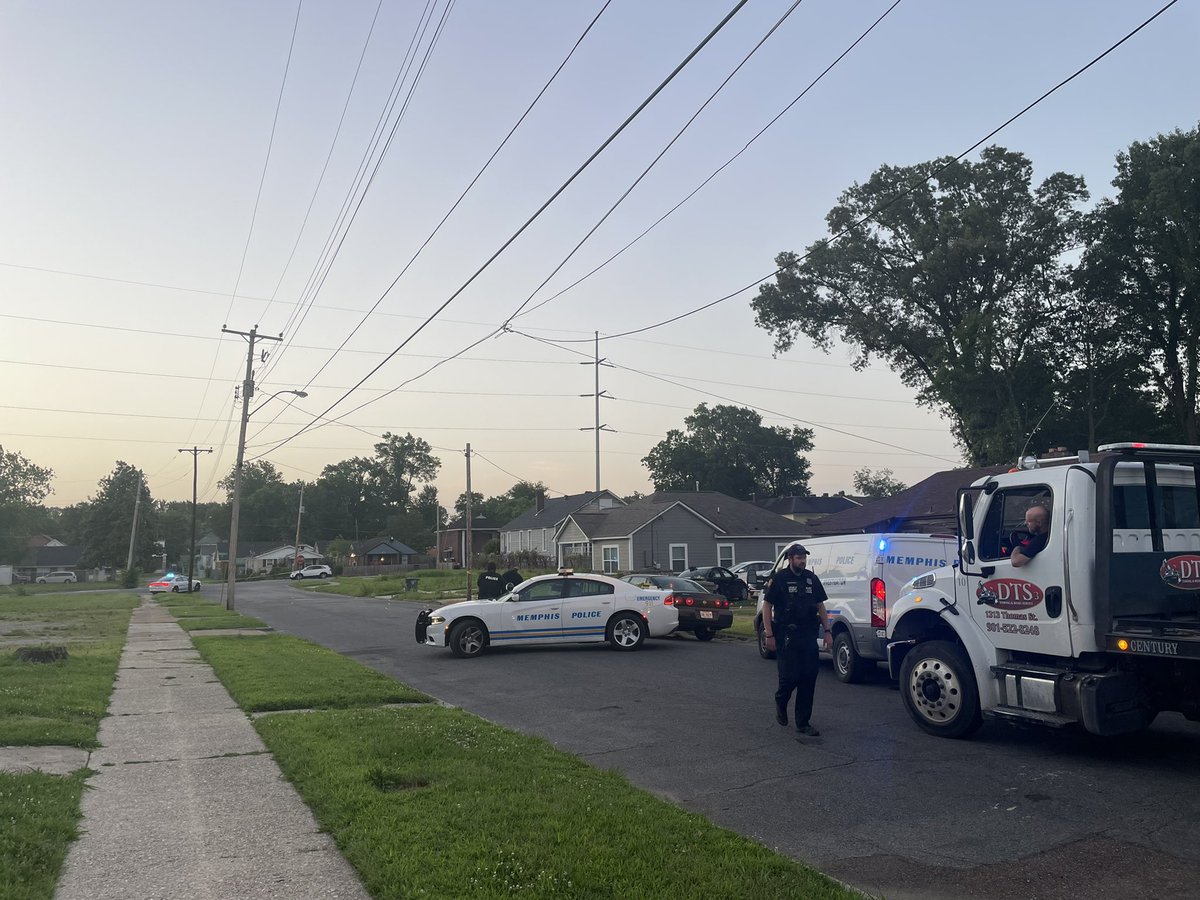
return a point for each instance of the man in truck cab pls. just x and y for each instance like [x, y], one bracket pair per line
[1031, 542]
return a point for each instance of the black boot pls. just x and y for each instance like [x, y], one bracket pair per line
[780, 713]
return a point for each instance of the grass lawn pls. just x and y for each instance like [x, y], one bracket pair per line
[59, 702]
[38, 814]
[434, 585]
[32, 589]
[278, 671]
[196, 614]
[436, 802]
[743, 622]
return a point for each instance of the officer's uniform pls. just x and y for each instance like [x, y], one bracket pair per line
[490, 585]
[796, 625]
[511, 579]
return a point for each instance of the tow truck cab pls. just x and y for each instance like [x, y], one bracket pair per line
[1101, 628]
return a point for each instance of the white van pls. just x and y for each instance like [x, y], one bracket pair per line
[862, 574]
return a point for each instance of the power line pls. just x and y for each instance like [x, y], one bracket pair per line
[897, 197]
[720, 168]
[720, 25]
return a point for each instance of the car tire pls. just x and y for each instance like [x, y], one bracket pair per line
[323, 575]
[468, 638]
[938, 687]
[41, 581]
[626, 631]
[848, 666]
[174, 589]
[705, 634]
[762, 644]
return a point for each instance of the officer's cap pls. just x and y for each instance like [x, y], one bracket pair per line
[796, 550]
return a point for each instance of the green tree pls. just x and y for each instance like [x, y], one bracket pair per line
[877, 484]
[951, 282]
[400, 464]
[23, 487]
[478, 510]
[110, 520]
[1142, 268]
[344, 501]
[522, 496]
[268, 503]
[728, 449]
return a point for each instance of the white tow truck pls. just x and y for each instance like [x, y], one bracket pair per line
[1101, 629]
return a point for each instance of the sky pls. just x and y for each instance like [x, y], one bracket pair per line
[170, 169]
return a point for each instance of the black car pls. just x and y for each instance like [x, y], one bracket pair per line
[719, 580]
[700, 611]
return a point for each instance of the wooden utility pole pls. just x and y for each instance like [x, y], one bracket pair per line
[299, 513]
[467, 526]
[195, 451]
[597, 362]
[137, 501]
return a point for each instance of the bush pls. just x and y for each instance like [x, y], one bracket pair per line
[130, 578]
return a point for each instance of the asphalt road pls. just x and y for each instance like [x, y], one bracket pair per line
[874, 801]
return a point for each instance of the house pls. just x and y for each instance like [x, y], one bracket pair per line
[928, 507]
[212, 555]
[671, 531]
[382, 551]
[285, 556]
[534, 530]
[808, 509]
[452, 539]
[44, 556]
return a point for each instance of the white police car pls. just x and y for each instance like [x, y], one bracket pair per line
[552, 609]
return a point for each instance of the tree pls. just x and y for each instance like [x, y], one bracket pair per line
[1142, 267]
[400, 463]
[950, 280]
[344, 501]
[23, 487]
[460, 505]
[728, 449]
[110, 520]
[877, 485]
[522, 496]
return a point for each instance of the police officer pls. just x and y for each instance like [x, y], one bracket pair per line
[793, 610]
[490, 586]
[511, 578]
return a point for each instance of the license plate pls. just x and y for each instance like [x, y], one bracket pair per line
[706, 614]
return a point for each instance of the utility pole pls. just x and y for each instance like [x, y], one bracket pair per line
[137, 500]
[195, 451]
[598, 362]
[299, 513]
[467, 526]
[247, 393]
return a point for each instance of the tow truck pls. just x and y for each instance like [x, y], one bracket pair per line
[1099, 630]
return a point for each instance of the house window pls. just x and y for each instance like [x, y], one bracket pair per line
[679, 557]
[612, 559]
[725, 555]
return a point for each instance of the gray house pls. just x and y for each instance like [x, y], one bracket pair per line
[535, 529]
[674, 530]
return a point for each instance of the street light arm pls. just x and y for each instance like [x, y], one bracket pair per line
[301, 394]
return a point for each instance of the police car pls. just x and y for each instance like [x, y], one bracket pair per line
[552, 609]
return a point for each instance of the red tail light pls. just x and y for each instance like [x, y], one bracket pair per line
[669, 600]
[690, 601]
[878, 603]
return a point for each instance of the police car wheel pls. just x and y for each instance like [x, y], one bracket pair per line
[467, 639]
[848, 666]
[626, 631]
[939, 691]
[762, 644]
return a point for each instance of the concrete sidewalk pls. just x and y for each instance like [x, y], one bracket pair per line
[186, 802]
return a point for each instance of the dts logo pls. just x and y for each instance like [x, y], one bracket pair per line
[1010, 593]
[1181, 572]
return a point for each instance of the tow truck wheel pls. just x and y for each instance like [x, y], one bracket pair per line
[762, 644]
[848, 666]
[626, 631]
[939, 691]
[468, 638]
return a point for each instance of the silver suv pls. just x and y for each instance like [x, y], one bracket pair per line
[57, 578]
[312, 572]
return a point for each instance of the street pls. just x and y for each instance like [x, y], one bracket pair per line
[874, 801]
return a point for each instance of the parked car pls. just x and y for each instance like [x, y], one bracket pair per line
[719, 580]
[701, 612]
[312, 572]
[63, 577]
[750, 572]
[552, 609]
[173, 583]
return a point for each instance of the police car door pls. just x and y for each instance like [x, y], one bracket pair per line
[534, 616]
[587, 605]
[1019, 608]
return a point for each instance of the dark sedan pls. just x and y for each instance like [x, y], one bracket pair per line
[700, 612]
[719, 580]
